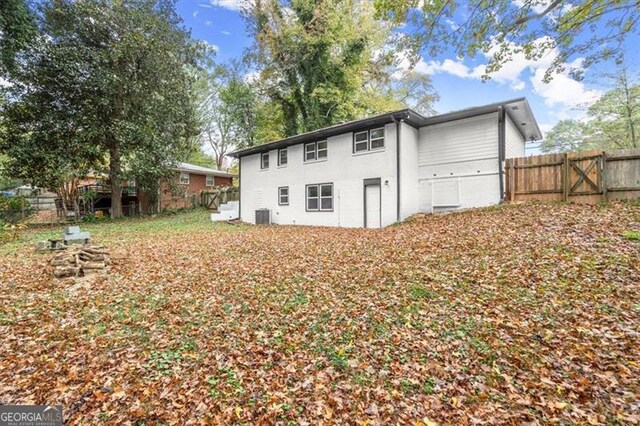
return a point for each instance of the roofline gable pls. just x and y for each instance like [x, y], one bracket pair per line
[518, 106]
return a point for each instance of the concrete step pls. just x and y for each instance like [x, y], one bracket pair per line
[226, 207]
[229, 205]
[225, 215]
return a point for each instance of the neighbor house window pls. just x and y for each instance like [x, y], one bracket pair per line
[320, 197]
[283, 196]
[315, 151]
[368, 140]
[282, 157]
[264, 160]
[184, 178]
[210, 180]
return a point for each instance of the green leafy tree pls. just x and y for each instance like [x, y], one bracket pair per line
[612, 122]
[106, 81]
[17, 30]
[594, 29]
[201, 158]
[322, 62]
[228, 111]
[615, 116]
[565, 136]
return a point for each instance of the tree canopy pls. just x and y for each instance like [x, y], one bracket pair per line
[324, 62]
[17, 30]
[593, 30]
[103, 82]
[612, 122]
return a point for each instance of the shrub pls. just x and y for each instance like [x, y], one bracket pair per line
[89, 218]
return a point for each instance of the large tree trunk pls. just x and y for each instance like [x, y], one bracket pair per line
[116, 181]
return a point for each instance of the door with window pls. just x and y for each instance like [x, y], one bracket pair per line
[372, 203]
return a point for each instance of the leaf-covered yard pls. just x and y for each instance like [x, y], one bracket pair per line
[508, 315]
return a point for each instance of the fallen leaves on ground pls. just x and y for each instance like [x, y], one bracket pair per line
[515, 314]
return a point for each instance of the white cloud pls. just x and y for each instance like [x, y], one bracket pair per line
[212, 46]
[452, 24]
[562, 90]
[545, 127]
[225, 33]
[208, 23]
[448, 66]
[538, 7]
[205, 5]
[518, 85]
[195, 14]
[252, 77]
[235, 5]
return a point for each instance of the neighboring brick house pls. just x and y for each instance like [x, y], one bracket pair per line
[191, 181]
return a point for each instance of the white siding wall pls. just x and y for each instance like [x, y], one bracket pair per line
[514, 142]
[347, 171]
[408, 171]
[458, 164]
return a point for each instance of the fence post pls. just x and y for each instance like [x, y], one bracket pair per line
[603, 174]
[565, 178]
[512, 177]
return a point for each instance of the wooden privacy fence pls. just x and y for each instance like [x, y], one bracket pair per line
[584, 177]
[212, 199]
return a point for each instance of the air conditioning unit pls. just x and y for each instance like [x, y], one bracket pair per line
[263, 217]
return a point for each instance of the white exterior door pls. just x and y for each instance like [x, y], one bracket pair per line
[372, 206]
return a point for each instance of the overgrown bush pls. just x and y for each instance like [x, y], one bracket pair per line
[15, 209]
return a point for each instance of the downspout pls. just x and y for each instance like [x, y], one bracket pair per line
[398, 123]
[501, 148]
[239, 188]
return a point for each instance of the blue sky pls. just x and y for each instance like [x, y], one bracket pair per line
[458, 81]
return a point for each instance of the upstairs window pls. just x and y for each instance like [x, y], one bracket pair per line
[320, 197]
[321, 148]
[368, 140]
[361, 142]
[376, 137]
[264, 160]
[210, 181]
[184, 178]
[315, 151]
[282, 157]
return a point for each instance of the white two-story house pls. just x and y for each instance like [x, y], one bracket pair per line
[380, 170]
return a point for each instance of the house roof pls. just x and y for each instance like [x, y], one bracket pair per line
[518, 110]
[192, 168]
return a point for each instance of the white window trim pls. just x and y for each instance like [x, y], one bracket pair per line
[262, 155]
[280, 164]
[383, 139]
[188, 178]
[368, 142]
[319, 197]
[213, 180]
[280, 203]
[315, 159]
[353, 146]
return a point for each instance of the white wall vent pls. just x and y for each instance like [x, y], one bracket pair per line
[445, 193]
